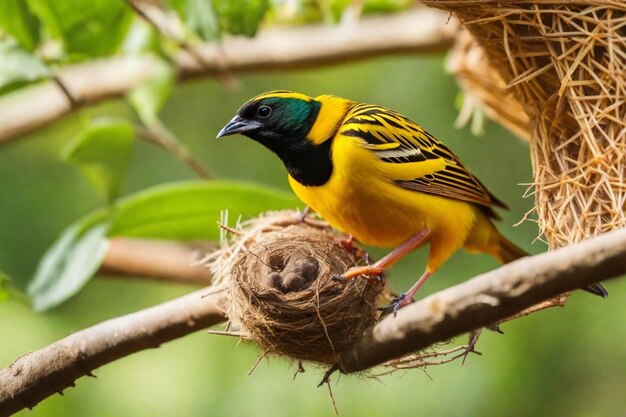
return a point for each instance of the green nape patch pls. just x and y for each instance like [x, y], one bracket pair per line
[292, 113]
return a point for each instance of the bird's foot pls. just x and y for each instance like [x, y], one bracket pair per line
[366, 271]
[397, 303]
[338, 277]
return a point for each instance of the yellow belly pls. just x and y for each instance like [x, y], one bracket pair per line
[360, 200]
[383, 214]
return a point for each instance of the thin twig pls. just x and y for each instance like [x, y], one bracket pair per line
[332, 397]
[229, 229]
[228, 333]
[257, 362]
[558, 301]
[72, 100]
[158, 134]
[299, 370]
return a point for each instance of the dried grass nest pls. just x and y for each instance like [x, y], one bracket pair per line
[277, 272]
[554, 73]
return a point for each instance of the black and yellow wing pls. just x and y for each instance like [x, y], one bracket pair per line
[394, 139]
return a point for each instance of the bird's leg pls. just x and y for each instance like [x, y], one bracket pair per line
[348, 244]
[406, 298]
[305, 212]
[392, 257]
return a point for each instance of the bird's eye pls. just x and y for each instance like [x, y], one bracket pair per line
[264, 111]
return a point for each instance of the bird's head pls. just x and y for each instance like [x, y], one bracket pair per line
[295, 127]
[284, 118]
[275, 119]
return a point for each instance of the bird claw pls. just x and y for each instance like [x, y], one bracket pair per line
[339, 278]
[381, 278]
[396, 304]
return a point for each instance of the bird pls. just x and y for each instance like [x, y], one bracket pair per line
[379, 177]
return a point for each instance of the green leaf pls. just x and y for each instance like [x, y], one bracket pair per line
[149, 97]
[200, 19]
[240, 17]
[102, 152]
[385, 6]
[179, 6]
[71, 261]
[4, 291]
[184, 211]
[338, 7]
[87, 28]
[17, 20]
[190, 210]
[18, 66]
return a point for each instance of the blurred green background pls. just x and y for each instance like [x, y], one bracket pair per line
[569, 362]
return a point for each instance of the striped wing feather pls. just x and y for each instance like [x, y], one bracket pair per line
[394, 139]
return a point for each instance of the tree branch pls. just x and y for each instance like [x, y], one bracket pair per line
[481, 301]
[161, 260]
[39, 374]
[419, 30]
[489, 298]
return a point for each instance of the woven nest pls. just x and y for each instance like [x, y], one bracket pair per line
[484, 88]
[564, 64]
[278, 272]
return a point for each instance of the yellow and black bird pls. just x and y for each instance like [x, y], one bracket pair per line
[379, 177]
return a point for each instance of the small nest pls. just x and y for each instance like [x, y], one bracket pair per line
[278, 276]
[564, 64]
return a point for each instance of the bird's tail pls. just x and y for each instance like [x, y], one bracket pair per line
[509, 252]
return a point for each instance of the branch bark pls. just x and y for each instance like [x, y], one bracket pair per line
[489, 298]
[481, 301]
[160, 260]
[419, 30]
[39, 374]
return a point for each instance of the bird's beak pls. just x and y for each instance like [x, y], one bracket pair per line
[239, 125]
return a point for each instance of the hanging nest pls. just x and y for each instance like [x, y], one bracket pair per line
[564, 63]
[484, 88]
[277, 272]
